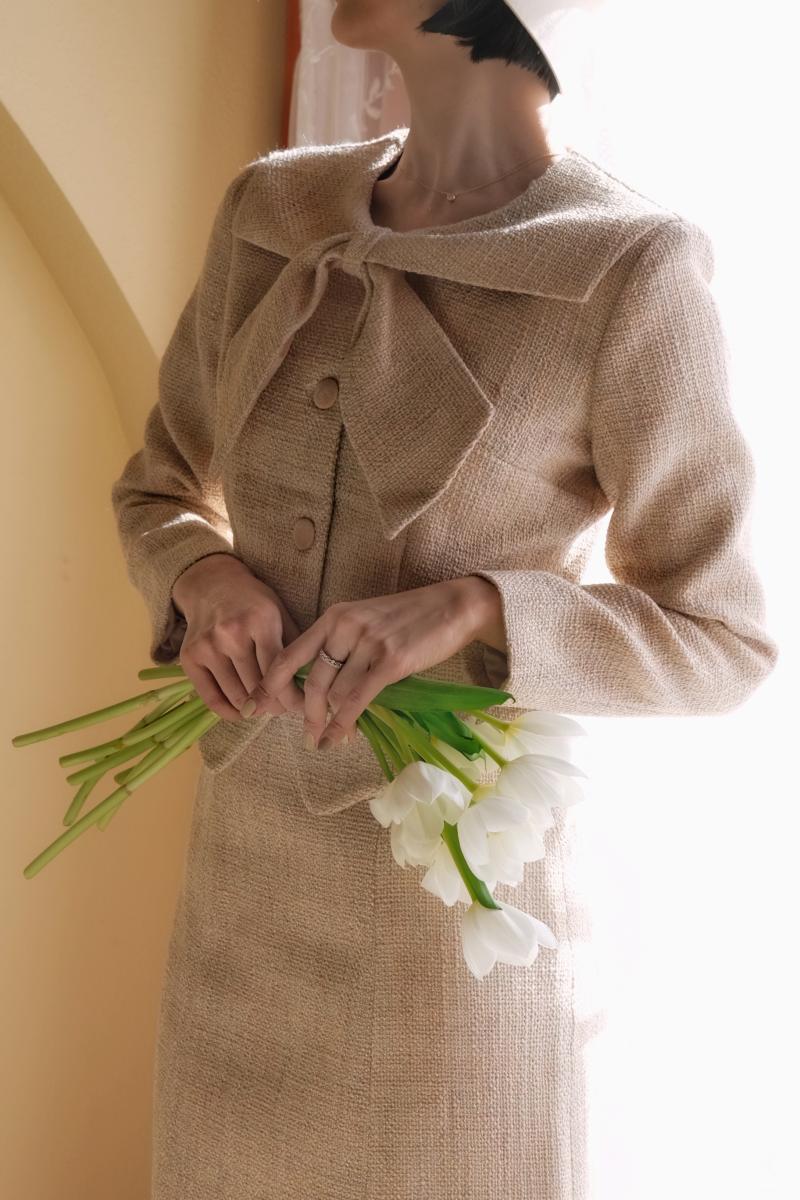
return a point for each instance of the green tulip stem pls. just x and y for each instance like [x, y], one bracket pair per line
[397, 746]
[103, 821]
[177, 731]
[195, 730]
[155, 752]
[146, 732]
[98, 715]
[490, 720]
[420, 741]
[105, 749]
[374, 737]
[95, 770]
[441, 760]
[395, 740]
[476, 887]
[416, 737]
[167, 737]
[490, 750]
[91, 754]
[178, 717]
[165, 706]
[163, 672]
[394, 748]
[74, 810]
[398, 753]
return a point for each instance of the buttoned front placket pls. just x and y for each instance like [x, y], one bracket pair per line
[355, 536]
[322, 516]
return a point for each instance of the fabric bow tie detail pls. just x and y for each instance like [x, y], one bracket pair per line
[412, 408]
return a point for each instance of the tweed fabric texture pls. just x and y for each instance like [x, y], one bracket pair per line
[502, 382]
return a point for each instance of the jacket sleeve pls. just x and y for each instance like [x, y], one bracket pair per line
[169, 511]
[681, 630]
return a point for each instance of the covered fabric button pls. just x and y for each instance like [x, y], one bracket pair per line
[326, 392]
[303, 533]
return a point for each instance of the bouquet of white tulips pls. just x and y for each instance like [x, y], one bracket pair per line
[443, 810]
[470, 831]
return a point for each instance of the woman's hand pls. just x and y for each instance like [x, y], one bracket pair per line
[382, 639]
[235, 625]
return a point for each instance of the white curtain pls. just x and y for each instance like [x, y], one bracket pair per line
[689, 833]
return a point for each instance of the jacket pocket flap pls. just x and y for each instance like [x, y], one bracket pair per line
[226, 740]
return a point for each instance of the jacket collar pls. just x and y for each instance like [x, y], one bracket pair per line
[408, 387]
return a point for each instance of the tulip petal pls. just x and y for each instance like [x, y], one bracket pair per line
[526, 842]
[500, 812]
[479, 955]
[397, 845]
[562, 765]
[522, 742]
[474, 768]
[571, 792]
[549, 724]
[544, 934]
[423, 824]
[524, 779]
[443, 879]
[472, 836]
[381, 806]
[509, 936]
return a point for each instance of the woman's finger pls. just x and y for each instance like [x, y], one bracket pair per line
[288, 700]
[208, 689]
[287, 662]
[224, 675]
[247, 666]
[228, 678]
[357, 683]
[317, 685]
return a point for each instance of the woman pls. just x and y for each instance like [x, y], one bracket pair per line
[388, 423]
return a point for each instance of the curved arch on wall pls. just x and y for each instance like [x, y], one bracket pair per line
[79, 271]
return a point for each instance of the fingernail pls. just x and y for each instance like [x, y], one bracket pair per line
[308, 740]
[326, 742]
[248, 708]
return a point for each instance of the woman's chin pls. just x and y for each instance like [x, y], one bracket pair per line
[351, 27]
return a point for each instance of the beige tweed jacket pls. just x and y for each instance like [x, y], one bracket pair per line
[355, 411]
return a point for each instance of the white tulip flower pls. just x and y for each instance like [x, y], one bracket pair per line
[496, 821]
[415, 840]
[443, 878]
[542, 782]
[419, 783]
[497, 836]
[473, 768]
[531, 732]
[505, 934]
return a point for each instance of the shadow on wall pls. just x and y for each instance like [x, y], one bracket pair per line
[83, 941]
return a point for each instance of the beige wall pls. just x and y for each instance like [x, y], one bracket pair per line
[119, 129]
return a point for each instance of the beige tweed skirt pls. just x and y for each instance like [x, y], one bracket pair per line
[320, 1036]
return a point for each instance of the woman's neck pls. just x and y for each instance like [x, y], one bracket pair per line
[401, 204]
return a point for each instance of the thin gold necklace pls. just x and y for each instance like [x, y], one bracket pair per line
[452, 195]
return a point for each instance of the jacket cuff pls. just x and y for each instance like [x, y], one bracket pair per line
[522, 669]
[155, 574]
[607, 649]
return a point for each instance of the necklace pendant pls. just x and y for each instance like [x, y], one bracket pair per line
[451, 195]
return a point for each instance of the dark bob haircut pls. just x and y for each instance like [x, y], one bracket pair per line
[491, 30]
